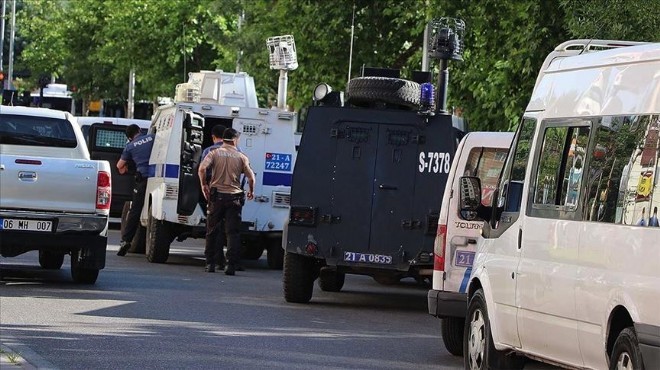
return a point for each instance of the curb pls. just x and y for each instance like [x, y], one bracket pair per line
[15, 355]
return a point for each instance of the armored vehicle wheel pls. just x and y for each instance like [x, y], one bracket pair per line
[159, 237]
[298, 278]
[275, 254]
[50, 260]
[80, 274]
[452, 334]
[331, 280]
[366, 90]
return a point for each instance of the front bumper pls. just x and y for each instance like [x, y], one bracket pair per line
[447, 304]
[649, 343]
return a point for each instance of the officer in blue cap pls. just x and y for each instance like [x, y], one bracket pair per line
[138, 150]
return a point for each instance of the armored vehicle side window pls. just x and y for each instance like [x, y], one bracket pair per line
[621, 183]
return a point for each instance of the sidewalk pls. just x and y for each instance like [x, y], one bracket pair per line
[19, 356]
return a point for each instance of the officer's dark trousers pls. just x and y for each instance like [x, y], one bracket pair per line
[223, 209]
[133, 218]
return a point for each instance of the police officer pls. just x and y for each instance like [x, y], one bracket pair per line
[225, 196]
[217, 234]
[138, 150]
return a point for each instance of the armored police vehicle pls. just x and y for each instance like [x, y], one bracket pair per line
[174, 207]
[369, 178]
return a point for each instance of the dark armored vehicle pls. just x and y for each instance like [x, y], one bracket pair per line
[369, 180]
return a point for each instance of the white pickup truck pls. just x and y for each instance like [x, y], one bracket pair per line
[53, 198]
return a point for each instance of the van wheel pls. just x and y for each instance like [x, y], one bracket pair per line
[80, 274]
[159, 236]
[331, 280]
[479, 350]
[298, 278]
[626, 353]
[365, 90]
[275, 254]
[124, 216]
[50, 260]
[452, 334]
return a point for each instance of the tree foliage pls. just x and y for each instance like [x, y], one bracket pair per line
[93, 44]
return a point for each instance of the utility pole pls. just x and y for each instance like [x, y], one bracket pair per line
[131, 94]
[2, 39]
[11, 44]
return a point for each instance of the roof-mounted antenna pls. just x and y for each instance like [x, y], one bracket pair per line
[350, 54]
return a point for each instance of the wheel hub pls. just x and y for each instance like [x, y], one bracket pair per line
[476, 340]
[624, 362]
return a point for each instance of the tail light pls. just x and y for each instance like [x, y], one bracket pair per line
[302, 216]
[103, 191]
[439, 248]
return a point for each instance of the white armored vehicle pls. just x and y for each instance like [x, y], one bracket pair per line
[175, 207]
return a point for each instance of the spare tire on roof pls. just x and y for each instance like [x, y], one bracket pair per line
[367, 90]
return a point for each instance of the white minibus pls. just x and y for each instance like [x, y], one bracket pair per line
[567, 270]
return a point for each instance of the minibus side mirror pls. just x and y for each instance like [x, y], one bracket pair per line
[470, 196]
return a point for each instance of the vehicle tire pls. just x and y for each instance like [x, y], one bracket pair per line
[159, 236]
[50, 260]
[626, 353]
[80, 274]
[275, 254]
[387, 279]
[139, 242]
[366, 90]
[298, 278]
[452, 334]
[331, 280]
[479, 349]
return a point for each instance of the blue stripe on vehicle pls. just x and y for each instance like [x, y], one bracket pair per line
[275, 179]
[164, 170]
[172, 171]
[466, 277]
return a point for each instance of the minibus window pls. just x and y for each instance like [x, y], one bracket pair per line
[622, 183]
[560, 169]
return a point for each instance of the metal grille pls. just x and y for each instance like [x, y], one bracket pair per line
[110, 139]
[282, 200]
[250, 129]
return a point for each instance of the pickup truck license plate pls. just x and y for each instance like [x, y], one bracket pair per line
[367, 258]
[25, 225]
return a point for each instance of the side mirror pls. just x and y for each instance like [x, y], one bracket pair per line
[470, 196]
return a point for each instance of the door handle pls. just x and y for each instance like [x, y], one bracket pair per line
[519, 238]
[387, 187]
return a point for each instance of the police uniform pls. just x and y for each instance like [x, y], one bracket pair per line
[216, 235]
[139, 151]
[225, 201]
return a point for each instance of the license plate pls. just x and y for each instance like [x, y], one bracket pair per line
[380, 259]
[464, 259]
[25, 225]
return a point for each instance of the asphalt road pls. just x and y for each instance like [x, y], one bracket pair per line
[176, 316]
